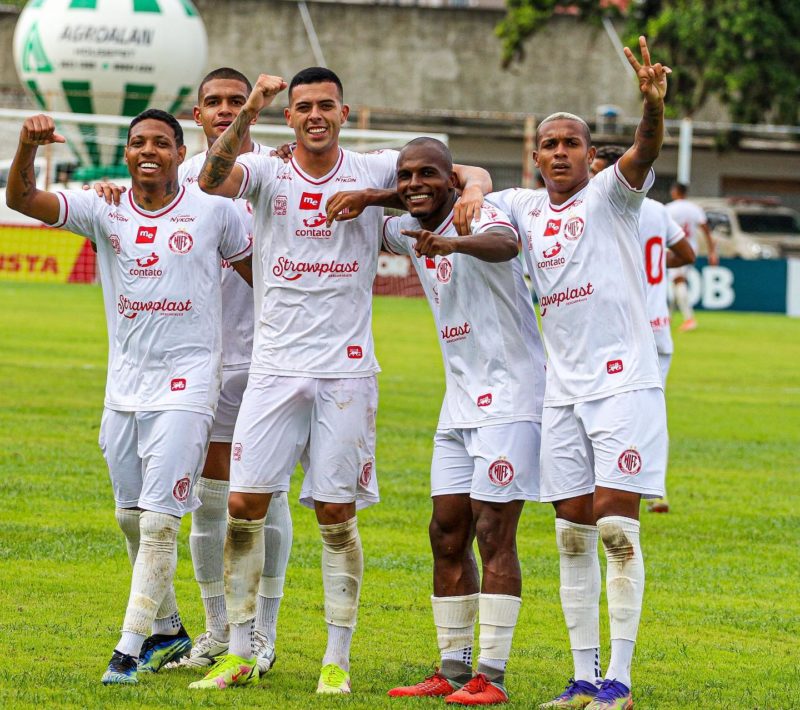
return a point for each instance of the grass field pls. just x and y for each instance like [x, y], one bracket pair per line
[722, 605]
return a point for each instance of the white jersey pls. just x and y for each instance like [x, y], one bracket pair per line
[586, 264]
[657, 232]
[493, 357]
[237, 296]
[690, 216]
[160, 273]
[313, 284]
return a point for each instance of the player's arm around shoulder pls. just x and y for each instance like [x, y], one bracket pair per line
[236, 243]
[22, 194]
[474, 184]
[636, 163]
[349, 204]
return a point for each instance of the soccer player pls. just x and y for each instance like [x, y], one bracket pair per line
[665, 245]
[604, 433]
[486, 447]
[312, 392]
[693, 219]
[159, 253]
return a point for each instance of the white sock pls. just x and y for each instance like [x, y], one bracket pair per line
[152, 572]
[128, 521]
[580, 594]
[130, 643]
[342, 571]
[169, 626]
[207, 543]
[498, 617]
[454, 618]
[624, 589]
[244, 560]
[681, 291]
[277, 546]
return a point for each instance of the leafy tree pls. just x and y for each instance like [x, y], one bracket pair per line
[745, 52]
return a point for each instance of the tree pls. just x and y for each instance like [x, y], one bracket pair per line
[744, 52]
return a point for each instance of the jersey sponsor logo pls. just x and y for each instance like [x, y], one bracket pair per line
[345, 178]
[568, 296]
[573, 229]
[535, 212]
[165, 307]
[182, 218]
[117, 216]
[178, 384]
[530, 240]
[181, 242]
[293, 270]
[660, 322]
[553, 227]
[237, 452]
[501, 472]
[145, 270]
[310, 201]
[452, 333]
[551, 260]
[485, 400]
[366, 474]
[285, 176]
[629, 462]
[354, 352]
[181, 489]
[280, 205]
[146, 235]
[115, 245]
[444, 271]
[489, 212]
[435, 291]
[316, 221]
[614, 366]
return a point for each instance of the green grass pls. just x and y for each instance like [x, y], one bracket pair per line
[722, 611]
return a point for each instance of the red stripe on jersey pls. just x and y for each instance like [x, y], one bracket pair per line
[561, 208]
[156, 215]
[383, 237]
[498, 224]
[245, 181]
[446, 224]
[323, 180]
[247, 248]
[66, 211]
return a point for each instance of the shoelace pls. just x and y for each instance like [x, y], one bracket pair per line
[476, 685]
[122, 663]
[431, 681]
[607, 691]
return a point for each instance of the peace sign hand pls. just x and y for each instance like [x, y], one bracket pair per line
[652, 77]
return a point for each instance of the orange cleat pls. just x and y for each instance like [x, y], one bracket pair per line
[433, 686]
[479, 691]
[687, 325]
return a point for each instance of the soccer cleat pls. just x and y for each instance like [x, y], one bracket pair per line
[479, 691]
[333, 680]
[658, 505]
[577, 695]
[204, 653]
[227, 672]
[612, 695]
[687, 325]
[433, 686]
[265, 652]
[121, 670]
[160, 649]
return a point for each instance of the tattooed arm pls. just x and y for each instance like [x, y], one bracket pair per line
[220, 175]
[22, 194]
[639, 158]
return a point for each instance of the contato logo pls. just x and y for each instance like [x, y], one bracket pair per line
[146, 235]
[568, 296]
[315, 221]
[165, 307]
[315, 228]
[485, 400]
[551, 258]
[501, 472]
[181, 242]
[145, 270]
[280, 205]
[310, 201]
[630, 462]
[293, 270]
[452, 333]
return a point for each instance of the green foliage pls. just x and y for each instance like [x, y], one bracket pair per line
[721, 615]
[744, 52]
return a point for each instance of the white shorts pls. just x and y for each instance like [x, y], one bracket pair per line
[615, 442]
[155, 458]
[328, 425]
[230, 399]
[678, 271]
[497, 463]
[664, 361]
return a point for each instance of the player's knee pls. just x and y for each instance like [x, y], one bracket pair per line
[333, 513]
[247, 506]
[449, 538]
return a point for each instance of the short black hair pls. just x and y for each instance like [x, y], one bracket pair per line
[435, 144]
[159, 115]
[610, 153]
[315, 75]
[681, 188]
[564, 116]
[223, 73]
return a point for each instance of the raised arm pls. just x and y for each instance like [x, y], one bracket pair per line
[22, 194]
[635, 164]
[474, 183]
[220, 175]
[498, 244]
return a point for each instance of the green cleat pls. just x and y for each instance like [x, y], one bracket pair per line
[612, 695]
[160, 649]
[333, 680]
[121, 670]
[227, 672]
[576, 696]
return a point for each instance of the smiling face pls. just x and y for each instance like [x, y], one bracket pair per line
[426, 183]
[152, 153]
[316, 114]
[563, 156]
[221, 100]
